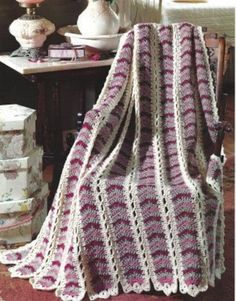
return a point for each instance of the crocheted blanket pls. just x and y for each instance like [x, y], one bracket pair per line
[140, 196]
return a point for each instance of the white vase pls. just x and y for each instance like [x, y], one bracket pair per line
[98, 19]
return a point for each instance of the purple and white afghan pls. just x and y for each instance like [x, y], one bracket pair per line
[140, 197]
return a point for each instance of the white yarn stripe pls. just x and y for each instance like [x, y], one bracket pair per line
[221, 269]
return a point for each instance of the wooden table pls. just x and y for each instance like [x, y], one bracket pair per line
[49, 78]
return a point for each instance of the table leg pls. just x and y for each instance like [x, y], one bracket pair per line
[42, 122]
[57, 141]
[40, 108]
[48, 128]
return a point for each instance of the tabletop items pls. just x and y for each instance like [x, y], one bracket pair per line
[98, 26]
[23, 194]
[101, 24]
[81, 46]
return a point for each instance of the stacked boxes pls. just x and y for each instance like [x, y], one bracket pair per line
[23, 194]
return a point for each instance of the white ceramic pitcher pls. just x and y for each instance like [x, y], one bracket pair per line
[98, 19]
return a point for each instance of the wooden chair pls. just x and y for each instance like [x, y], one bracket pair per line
[216, 51]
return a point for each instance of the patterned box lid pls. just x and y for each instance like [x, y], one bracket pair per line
[13, 117]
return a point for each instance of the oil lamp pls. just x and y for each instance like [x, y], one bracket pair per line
[30, 30]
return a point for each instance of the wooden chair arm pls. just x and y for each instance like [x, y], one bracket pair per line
[222, 127]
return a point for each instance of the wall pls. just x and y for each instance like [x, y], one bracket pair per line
[145, 11]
